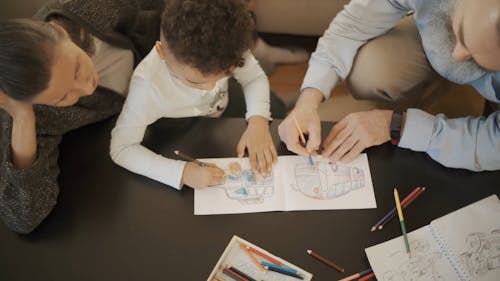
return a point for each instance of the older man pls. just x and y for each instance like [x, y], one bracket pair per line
[458, 39]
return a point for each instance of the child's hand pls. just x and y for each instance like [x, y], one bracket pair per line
[261, 150]
[196, 176]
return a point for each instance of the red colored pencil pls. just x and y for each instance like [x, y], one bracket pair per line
[403, 205]
[326, 261]
[393, 211]
[233, 274]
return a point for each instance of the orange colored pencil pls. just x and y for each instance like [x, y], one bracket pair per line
[264, 256]
[254, 260]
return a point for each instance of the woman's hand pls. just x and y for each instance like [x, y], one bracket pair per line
[23, 142]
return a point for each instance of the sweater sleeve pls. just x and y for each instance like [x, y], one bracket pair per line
[469, 143]
[27, 196]
[358, 22]
[255, 86]
[142, 108]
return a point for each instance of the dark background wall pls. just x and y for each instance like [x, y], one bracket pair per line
[19, 8]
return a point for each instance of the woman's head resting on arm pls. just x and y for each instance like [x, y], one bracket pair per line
[40, 64]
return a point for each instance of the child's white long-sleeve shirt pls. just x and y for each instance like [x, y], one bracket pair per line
[154, 93]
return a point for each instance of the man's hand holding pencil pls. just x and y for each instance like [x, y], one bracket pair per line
[303, 119]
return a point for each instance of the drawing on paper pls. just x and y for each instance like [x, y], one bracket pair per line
[245, 186]
[325, 180]
[484, 253]
[422, 265]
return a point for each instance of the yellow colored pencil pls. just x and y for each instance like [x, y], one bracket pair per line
[401, 220]
[302, 138]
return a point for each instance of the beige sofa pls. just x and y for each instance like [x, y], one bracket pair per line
[299, 17]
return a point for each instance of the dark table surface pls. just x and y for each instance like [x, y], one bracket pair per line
[111, 224]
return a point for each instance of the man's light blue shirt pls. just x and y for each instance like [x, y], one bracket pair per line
[470, 143]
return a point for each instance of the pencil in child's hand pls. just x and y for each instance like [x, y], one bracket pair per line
[190, 159]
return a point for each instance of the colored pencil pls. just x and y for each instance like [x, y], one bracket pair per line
[189, 158]
[239, 272]
[268, 264]
[254, 260]
[367, 277]
[392, 212]
[278, 270]
[326, 261]
[403, 205]
[357, 275]
[302, 138]
[401, 220]
[233, 274]
[264, 256]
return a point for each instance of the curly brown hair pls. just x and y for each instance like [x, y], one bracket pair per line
[209, 35]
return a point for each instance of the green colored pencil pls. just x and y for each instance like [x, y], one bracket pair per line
[401, 221]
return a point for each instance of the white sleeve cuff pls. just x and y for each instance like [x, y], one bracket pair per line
[418, 130]
[167, 171]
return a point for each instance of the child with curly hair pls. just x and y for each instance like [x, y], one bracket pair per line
[203, 46]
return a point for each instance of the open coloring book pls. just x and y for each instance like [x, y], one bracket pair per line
[293, 185]
[463, 245]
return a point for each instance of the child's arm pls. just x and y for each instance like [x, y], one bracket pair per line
[257, 137]
[144, 105]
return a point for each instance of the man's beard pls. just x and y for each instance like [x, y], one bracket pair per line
[440, 42]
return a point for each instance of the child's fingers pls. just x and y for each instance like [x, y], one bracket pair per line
[261, 159]
[252, 156]
[269, 160]
[240, 148]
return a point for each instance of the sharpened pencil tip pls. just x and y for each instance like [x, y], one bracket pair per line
[176, 152]
[373, 229]
[309, 251]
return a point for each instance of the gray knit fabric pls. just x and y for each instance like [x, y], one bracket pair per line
[28, 196]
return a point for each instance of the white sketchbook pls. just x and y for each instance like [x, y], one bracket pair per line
[236, 257]
[293, 185]
[463, 245]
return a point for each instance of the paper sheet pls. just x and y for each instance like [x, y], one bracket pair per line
[390, 262]
[463, 245]
[293, 185]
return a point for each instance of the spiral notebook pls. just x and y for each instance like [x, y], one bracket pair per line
[463, 245]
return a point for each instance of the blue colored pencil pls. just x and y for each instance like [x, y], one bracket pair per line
[268, 264]
[284, 272]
